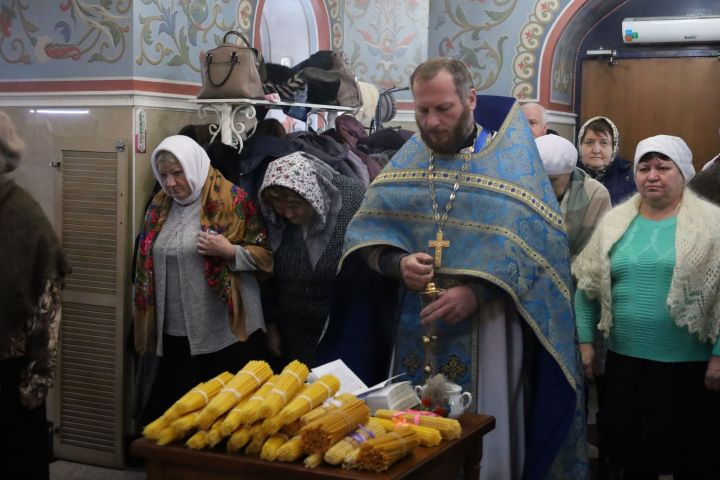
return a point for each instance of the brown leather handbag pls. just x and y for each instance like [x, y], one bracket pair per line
[348, 93]
[233, 71]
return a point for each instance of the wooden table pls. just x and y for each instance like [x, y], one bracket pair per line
[444, 461]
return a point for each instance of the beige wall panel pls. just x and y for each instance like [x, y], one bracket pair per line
[47, 135]
[160, 124]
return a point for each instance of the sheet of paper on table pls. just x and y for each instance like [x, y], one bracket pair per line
[349, 382]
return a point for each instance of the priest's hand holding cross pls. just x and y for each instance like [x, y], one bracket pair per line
[417, 270]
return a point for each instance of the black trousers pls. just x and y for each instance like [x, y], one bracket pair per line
[24, 452]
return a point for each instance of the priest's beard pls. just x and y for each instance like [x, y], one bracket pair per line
[449, 141]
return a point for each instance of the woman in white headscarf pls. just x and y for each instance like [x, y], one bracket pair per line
[307, 206]
[583, 200]
[649, 279]
[196, 296]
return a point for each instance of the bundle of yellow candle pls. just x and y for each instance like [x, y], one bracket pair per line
[186, 422]
[194, 399]
[246, 408]
[321, 434]
[449, 427]
[336, 453]
[215, 435]
[293, 428]
[198, 441]
[238, 439]
[429, 437]
[177, 429]
[290, 450]
[313, 460]
[246, 381]
[379, 453]
[168, 435]
[200, 396]
[310, 397]
[272, 445]
[287, 385]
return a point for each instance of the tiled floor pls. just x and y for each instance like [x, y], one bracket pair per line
[63, 470]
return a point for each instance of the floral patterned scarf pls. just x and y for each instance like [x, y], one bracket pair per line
[227, 210]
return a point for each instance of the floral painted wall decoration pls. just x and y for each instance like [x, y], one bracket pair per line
[80, 31]
[172, 32]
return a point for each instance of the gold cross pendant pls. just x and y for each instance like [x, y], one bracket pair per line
[438, 244]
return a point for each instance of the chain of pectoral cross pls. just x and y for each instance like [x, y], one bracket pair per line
[440, 243]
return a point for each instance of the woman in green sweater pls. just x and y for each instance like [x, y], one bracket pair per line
[649, 280]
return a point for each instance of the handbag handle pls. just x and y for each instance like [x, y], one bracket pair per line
[237, 34]
[208, 62]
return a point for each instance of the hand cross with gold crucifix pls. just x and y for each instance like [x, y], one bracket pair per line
[438, 244]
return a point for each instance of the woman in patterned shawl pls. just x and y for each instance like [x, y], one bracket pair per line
[197, 305]
[33, 268]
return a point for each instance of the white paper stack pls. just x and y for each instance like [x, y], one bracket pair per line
[395, 396]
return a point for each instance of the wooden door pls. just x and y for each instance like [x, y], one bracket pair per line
[89, 386]
[646, 97]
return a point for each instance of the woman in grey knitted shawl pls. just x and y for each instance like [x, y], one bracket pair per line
[307, 206]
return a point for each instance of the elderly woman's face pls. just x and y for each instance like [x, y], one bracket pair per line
[659, 181]
[596, 149]
[172, 176]
[290, 206]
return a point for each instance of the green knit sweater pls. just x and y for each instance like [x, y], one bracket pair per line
[642, 264]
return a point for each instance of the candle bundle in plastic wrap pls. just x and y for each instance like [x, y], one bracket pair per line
[449, 427]
[245, 408]
[287, 385]
[380, 453]
[310, 397]
[246, 381]
[293, 428]
[429, 437]
[329, 429]
[371, 429]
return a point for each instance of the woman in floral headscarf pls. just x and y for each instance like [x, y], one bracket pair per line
[196, 297]
[307, 206]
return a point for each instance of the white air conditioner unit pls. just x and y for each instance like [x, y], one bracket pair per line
[703, 29]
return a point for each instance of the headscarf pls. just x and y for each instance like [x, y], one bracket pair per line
[195, 163]
[226, 209]
[674, 148]
[613, 129]
[310, 178]
[12, 146]
[558, 155]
